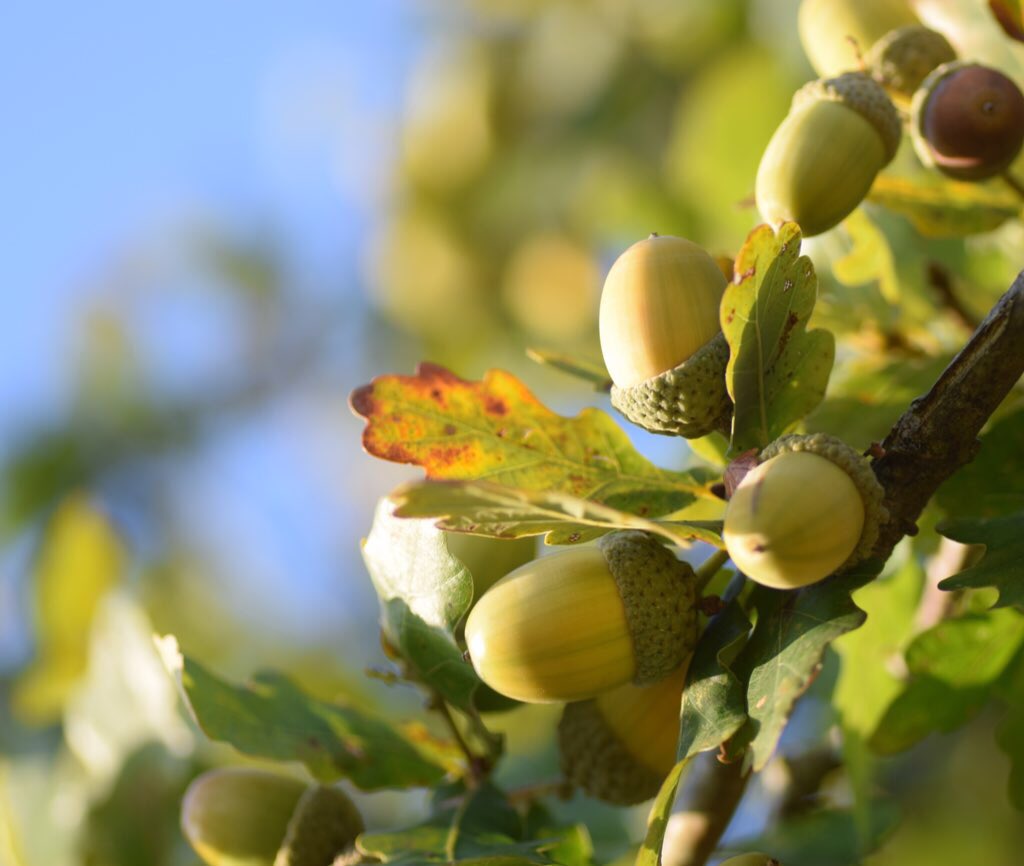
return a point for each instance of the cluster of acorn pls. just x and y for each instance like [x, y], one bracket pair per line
[965, 119]
[609, 629]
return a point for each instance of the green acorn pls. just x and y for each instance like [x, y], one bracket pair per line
[837, 34]
[810, 507]
[661, 338]
[620, 746]
[821, 162]
[578, 622]
[904, 57]
[246, 817]
[967, 121]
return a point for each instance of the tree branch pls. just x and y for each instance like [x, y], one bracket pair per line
[938, 432]
[713, 792]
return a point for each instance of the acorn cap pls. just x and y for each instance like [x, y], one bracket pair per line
[904, 57]
[854, 464]
[752, 859]
[859, 92]
[659, 593]
[619, 746]
[976, 130]
[325, 824]
[596, 760]
[690, 400]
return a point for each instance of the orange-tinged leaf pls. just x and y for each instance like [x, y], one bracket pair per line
[497, 430]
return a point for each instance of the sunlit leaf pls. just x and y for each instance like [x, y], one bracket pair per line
[778, 370]
[783, 655]
[490, 509]
[939, 207]
[953, 667]
[870, 259]
[496, 430]
[80, 560]
[424, 592]
[1002, 566]
[272, 718]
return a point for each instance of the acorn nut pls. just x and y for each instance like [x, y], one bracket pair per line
[578, 622]
[904, 57]
[823, 158]
[661, 338]
[967, 121]
[620, 746]
[238, 816]
[811, 506]
[837, 34]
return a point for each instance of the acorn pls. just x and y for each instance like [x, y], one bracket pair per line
[238, 816]
[752, 859]
[904, 57]
[837, 34]
[967, 121]
[573, 624]
[661, 338]
[823, 158]
[811, 506]
[620, 746]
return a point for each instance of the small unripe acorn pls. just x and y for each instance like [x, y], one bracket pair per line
[573, 624]
[968, 121]
[810, 507]
[661, 338]
[248, 817]
[751, 860]
[836, 34]
[904, 57]
[620, 746]
[823, 158]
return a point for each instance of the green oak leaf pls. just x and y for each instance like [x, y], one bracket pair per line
[424, 592]
[505, 512]
[270, 717]
[657, 820]
[989, 486]
[1010, 733]
[784, 652]
[714, 701]
[478, 826]
[940, 208]
[1002, 566]
[778, 370]
[953, 668]
[497, 430]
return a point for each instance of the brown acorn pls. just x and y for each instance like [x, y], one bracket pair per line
[968, 121]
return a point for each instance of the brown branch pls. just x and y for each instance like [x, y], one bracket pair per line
[938, 432]
[713, 791]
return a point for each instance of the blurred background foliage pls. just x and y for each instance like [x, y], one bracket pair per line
[431, 180]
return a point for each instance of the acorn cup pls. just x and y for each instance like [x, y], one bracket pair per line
[823, 158]
[620, 746]
[237, 816]
[573, 624]
[837, 34]
[904, 57]
[810, 507]
[967, 121]
[661, 338]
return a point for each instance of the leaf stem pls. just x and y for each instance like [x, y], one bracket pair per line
[1013, 183]
[711, 567]
[476, 765]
